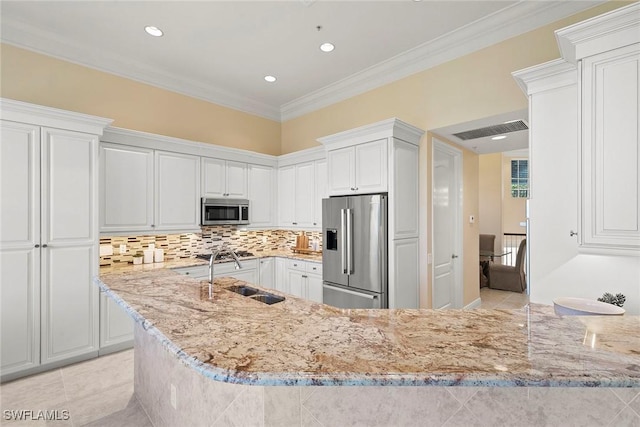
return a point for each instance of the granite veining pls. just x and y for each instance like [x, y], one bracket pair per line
[235, 339]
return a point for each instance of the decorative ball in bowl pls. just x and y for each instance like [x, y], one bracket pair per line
[569, 306]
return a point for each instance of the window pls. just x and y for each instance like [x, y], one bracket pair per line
[520, 178]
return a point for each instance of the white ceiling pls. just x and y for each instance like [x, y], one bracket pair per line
[220, 51]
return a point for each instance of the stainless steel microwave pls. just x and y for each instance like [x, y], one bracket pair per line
[225, 211]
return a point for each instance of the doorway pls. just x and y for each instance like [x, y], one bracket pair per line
[447, 289]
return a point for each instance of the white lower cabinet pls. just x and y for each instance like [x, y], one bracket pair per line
[267, 272]
[282, 279]
[48, 239]
[116, 326]
[305, 279]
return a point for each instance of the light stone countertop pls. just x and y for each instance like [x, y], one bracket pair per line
[297, 342]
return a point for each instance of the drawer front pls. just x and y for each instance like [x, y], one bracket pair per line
[296, 264]
[230, 267]
[197, 272]
[314, 268]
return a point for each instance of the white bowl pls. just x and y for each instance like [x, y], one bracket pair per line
[568, 306]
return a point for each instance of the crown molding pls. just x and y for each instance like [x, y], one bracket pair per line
[514, 20]
[27, 36]
[392, 127]
[154, 141]
[620, 27]
[547, 76]
[517, 19]
[24, 112]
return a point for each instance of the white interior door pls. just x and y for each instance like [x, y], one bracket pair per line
[447, 245]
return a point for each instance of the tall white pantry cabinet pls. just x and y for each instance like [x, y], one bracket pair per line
[49, 307]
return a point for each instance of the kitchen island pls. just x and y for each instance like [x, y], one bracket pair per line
[236, 360]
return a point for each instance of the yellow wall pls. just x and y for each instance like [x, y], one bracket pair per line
[513, 208]
[43, 80]
[490, 196]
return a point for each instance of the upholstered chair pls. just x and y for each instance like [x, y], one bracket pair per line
[508, 278]
[487, 242]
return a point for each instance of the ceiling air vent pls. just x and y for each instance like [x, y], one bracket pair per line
[492, 130]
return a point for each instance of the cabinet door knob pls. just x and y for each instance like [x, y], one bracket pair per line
[37, 246]
[44, 246]
[153, 225]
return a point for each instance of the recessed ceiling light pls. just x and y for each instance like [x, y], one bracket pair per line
[153, 31]
[495, 138]
[327, 47]
[270, 79]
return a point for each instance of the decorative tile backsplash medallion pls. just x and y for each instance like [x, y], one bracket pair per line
[188, 245]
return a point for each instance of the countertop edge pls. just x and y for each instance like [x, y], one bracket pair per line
[299, 379]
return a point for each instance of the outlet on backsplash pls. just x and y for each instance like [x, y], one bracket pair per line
[177, 246]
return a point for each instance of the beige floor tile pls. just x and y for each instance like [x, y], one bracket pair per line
[98, 375]
[37, 392]
[102, 405]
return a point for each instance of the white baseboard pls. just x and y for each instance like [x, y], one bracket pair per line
[473, 304]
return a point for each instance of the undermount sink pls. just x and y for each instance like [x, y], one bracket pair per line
[243, 290]
[585, 307]
[255, 294]
[267, 298]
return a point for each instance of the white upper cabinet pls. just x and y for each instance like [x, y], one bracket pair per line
[126, 188]
[224, 178]
[304, 194]
[321, 191]
[286, 195]
[358, 169]
[606, 50]
[145, 190]
[262, 196]
[177, 201]
[301, 187]
[610, 150]
[341, 171]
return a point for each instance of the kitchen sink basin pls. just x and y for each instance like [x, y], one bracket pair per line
[243, 290]
[267, 298]
[255, 294]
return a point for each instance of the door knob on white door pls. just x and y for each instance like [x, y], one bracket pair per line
[454, 256]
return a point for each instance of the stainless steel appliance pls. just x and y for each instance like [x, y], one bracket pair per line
[225, 211]
[354, 257]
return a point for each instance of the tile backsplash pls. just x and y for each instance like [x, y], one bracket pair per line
[190, 244]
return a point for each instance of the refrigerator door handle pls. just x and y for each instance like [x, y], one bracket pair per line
[346, 291]
[343, 252]
[349, 242]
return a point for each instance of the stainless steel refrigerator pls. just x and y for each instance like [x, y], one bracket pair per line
[354, 255]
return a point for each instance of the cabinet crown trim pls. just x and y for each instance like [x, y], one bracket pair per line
[609, 31]
[24, 112]
[168, 143]
[383, 129]
[548, 76]
[306, 155]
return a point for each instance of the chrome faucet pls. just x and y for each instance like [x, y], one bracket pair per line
[214, 255]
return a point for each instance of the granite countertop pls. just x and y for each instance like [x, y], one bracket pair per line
[297, 342]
